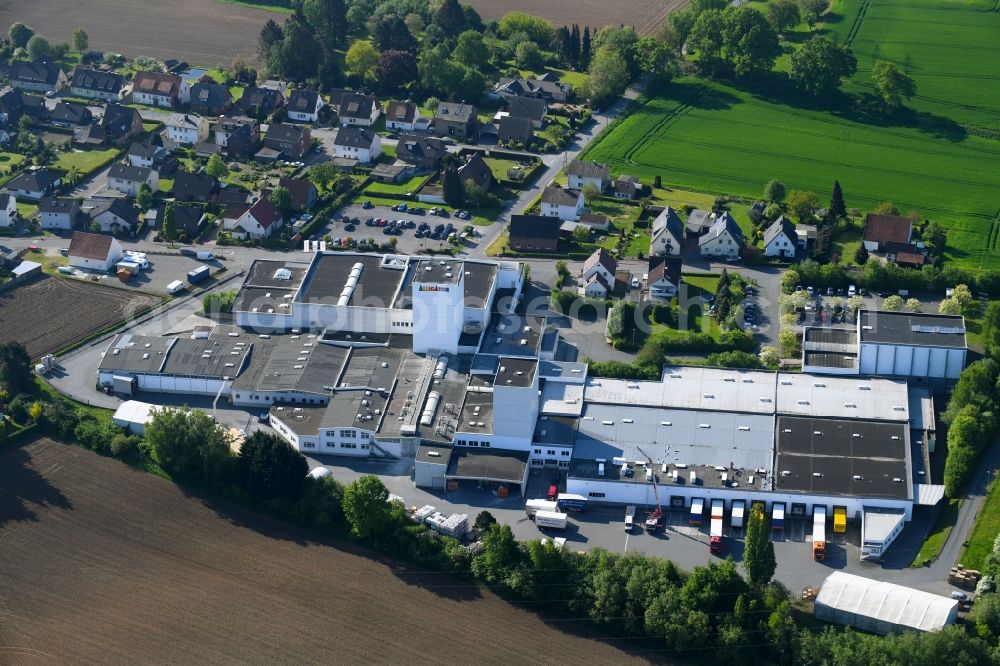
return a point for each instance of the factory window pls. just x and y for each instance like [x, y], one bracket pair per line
[348, 434]
[564, 463]
[364, 446]
[486, 444]
[365, 435]
[237, 396]
[595, 494]
[538, 451]
[551, 452]
[348, 445]
[308, 445]
[564, 453]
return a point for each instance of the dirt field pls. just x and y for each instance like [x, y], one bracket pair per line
[644, 15]
[51, 313]
[104, 564]
[202, 32]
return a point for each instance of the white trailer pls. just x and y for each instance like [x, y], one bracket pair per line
[552, 519]
[533, 506]
[736, 517]
[629, 517]
[715, 527]
[819, 533]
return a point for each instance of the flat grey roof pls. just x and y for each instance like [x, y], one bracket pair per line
[556, 430]
[840, 336]
[909, 328]
[560, 398]
[264, 299]
[269, 273]
[847, 397]
[831, 359]
[675, 436]
[842, 457]
[704, 475]
[328, 275]
[516, 372]
[351, 337]
[488, 464]
[426, 454]
[479, 279]
[555, 369]
[438, 271]
[214, 357]
[355, 409]
[371, 367]
[485, 364]
[292, 363]
[513, 335]
[405, 405]
[691, 388]
[477, 408]
[136, 353]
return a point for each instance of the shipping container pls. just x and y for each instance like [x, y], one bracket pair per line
[778, 516]
[569, 502]
[819, 533]
[697, 509]
[552, 519]
[199, 274]
[533, 506]
[737, 514]
[715, 527]
[839, 519]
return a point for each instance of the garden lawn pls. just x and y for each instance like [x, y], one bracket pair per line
[935, 541]
[26, 211]
[709, 137]
[9, 160]
[406, 187]
[85, 161]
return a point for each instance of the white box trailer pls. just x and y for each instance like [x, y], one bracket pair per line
[778, 516]
[533, 506]
[553, 519]
[697, 509]
[736, 518]
[715, 527]
[629, 517]
[819, 533]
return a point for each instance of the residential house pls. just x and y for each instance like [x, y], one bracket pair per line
[232, 213]
[906, 256]
[117, 126]
[531, 108]
[512, 130]
[160, 89]
[883, 229]
[258, 102]
[546, 89]
[239, 136]
[596, 286]
[210, 99]
[196, 187]
[304, 106]
[129, 179]
[71, 115]
[354, 108]
[564, 204]
[780, 239]
[35, 107]
[233, 194]
[626, 187]
[806, 234]
[534, 233]
[723, 239]
[189, 220]
[151, 156]
[663, 276]
[33, 184]
[114, 216]
[595, 220]
[457, 120]
[94, 84]
[667, 233]
[55, 213]
[581, 173]
[186, 128]
[260, 221]
[292, 141]
[94, 251]
[303, 192]
[8, 210]
[600, 263]
[699, 221]
[401, 116]
[423, 153]
[11, 108]
[357, 143]
[477, 171]
[40, 77]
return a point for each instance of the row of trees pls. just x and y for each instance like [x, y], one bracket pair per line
[23, 41]
[972, 422]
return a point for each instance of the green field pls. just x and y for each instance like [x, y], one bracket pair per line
[86, 161]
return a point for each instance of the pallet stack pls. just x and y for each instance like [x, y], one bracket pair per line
[964, 578]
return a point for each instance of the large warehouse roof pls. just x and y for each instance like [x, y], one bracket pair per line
[691, 388]
[882, 607]
[842, 397]
[911, 328]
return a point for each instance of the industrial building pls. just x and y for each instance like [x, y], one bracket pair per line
[897, 344]
[882, 608]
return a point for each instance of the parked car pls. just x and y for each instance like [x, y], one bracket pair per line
[349, 227]
[366, 205]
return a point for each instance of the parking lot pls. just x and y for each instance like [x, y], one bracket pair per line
[407, 239]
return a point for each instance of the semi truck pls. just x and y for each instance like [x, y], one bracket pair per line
[199, 274]
[533, 506]
[839, 519]
[697, 509]
[736, 518]
[778, 516]
[569, 502]
[715, 527]
[819, 533]
[553, 519]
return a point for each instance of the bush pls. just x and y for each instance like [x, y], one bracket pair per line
[735, 359]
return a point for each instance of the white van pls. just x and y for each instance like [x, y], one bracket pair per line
[204, 255]
[175, 287]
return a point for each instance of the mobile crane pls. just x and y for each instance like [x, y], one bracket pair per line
[654, 522]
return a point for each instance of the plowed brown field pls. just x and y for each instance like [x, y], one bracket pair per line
[103, 564]
[643, 15]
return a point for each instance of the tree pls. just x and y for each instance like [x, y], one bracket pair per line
[679, 24]
[608, 76]
[803, 204]
[450, 18]
[471, 49]
[837, 209]
[216, 166]
[812, 10]
[991, 326]
[892, 85]
[361, 59]
[789, 341]
[20, 35]
[581, 234]
[769, 356]
[948, 306]
[15, 368]
[170, 222]
[706, 39]
[300, 54]
[484, 520]
[391, 34]
[188, 444]
[499, 558]
[94, 227]
[328, 19]
[886, 208]
[270, 35]
[281, 198]
[396, 70]
[145, 197]
[855, 303]
[269, 468]
[821, 65]
[913, 305]
[80, 41]
[537, 29]
[39, 48]
[366, 506]
[774, 191]
[783, 14]
[527, 55]
[894, 303]
[585, 48]
[758, 553]
[861, 255]
[655, 58]
[451, 186]
[750, 43]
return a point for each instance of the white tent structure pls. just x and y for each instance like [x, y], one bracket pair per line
[882, 608]
[133, 415]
